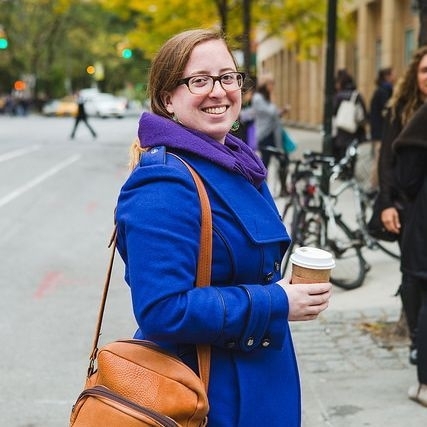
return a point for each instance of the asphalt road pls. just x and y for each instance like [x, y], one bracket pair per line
[57, 199]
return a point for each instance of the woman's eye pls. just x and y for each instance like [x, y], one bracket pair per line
[227, 79]
[199, 81]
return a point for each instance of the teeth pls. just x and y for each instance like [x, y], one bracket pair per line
[215, 110]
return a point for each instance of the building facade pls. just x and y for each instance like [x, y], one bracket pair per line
[386, 35]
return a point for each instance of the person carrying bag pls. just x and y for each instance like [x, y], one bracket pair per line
[243, 315]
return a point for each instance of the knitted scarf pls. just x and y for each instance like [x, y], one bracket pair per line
[234, 155]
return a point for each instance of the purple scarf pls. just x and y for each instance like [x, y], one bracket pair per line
[234, 155]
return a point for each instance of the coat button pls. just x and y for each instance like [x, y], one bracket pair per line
[266, 342]
[268, 277]
[250, 342]
[276, 266]
[230, 344]
[154, 150]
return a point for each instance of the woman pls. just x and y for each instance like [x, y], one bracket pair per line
[345, 87]
[195, 93]
[409, 95]
[411, 176]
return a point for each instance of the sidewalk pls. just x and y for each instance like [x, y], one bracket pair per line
[349, 377]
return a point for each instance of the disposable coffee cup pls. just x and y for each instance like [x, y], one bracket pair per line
[311, 265]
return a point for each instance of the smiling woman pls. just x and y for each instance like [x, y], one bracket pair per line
[244, 313]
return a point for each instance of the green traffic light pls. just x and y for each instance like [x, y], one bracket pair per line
[127, 53]
[3, 43]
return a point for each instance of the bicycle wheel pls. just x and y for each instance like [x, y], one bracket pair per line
[350, 266]
[307, 227]
[390, 248]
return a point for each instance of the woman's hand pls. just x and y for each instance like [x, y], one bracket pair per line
[390, 219]
[306, 301]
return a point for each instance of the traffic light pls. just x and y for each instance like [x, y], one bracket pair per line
[3, 39]
[127, 53]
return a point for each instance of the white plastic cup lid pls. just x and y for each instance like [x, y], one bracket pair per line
[315, 258]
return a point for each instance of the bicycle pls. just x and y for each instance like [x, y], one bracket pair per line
[281, 158]
[363, 201]
[314, 219]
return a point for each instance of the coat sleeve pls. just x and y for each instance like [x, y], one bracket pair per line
[410, 170]
[391, 130]
[158, 217]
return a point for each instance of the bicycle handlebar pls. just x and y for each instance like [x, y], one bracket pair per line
[314, 159]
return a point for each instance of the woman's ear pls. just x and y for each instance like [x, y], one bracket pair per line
[167, 102]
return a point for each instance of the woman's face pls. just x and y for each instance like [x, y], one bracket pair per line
[215, 112]
[422, 76]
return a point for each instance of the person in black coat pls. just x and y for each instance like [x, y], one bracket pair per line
[379, 100]
[411, 175]
[377, 111]
[81, 117]
[409, 95]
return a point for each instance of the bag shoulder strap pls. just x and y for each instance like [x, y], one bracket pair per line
[203, 277]
[354, 96]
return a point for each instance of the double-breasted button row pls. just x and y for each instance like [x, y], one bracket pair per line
[249, 342]
[268, 277]
[264, 343]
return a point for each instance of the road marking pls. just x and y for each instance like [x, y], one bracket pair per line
[38, 180]
[18, 153]
[48, 284]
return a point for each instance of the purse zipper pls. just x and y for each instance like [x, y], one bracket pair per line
[102, 391]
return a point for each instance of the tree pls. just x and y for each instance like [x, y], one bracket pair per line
[53, 41]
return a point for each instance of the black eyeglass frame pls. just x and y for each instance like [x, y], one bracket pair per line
[185, 81]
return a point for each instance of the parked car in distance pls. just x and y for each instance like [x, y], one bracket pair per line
[105, 105]
[66, 106]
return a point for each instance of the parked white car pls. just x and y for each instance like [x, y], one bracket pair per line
[105, 105]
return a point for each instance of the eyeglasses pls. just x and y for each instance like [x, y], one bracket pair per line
[203, 84]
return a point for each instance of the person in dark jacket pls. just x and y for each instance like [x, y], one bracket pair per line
[345, 87]
[411, 176]
[195, 93]
[409, 95]
[377, 110]
[81, 117]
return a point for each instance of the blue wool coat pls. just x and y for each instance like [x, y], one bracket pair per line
[243, 314]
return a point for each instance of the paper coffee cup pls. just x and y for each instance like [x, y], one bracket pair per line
[311, 265]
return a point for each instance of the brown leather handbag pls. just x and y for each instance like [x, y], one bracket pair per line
[136, 383]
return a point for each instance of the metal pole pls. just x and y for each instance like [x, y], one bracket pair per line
[329, 77]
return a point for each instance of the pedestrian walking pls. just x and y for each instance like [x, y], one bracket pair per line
[377, 111]
[409, 95]
[195, 93]
[268, 125]
[81, 117]
[346, 90]
[411, 174]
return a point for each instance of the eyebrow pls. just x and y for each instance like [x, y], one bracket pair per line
[207, 73]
